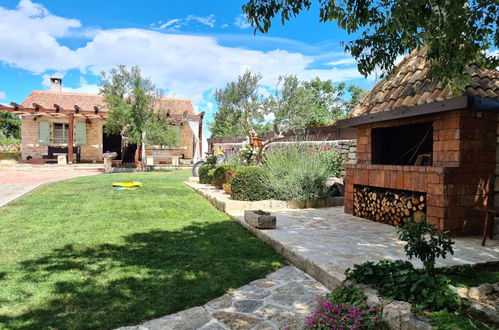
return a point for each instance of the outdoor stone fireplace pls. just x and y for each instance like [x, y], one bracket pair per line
[416, 137]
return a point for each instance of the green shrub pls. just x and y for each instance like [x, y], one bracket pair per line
[219, 175]
[203, 174]
[250, 184]
[425, 242]
[211, 160]
[400, 281]
[299, 174]
[7, 155]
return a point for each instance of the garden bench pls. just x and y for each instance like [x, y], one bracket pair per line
[490, 213]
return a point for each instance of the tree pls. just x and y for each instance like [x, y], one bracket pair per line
[10, 125]
[130, 99]
[457, 32]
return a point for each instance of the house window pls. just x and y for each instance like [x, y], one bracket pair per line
[403, 145]
[60, 133]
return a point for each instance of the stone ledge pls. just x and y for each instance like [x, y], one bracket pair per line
[225, 203]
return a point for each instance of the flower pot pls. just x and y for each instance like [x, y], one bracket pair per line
[256, 143]
[228, 190]
[259, 221]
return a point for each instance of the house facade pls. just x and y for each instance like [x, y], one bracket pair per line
[425, 150]
[54, 119]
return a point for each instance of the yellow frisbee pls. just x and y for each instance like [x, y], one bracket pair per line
[127, 184]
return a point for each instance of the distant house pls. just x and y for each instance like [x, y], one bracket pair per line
[425, 150]
[53, 120]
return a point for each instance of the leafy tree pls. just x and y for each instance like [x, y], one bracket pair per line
[130, 99]
[10, 125]
[457, 32]
[240, 107]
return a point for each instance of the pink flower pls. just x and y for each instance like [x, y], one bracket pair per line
[324, 148]
[253, 133]
[337, 150]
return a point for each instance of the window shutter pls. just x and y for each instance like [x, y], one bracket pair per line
[80, 133]
[43, 132]
[177, 132]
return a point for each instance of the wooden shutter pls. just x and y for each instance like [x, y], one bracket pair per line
[176, 129]
[43, 132]
[80, 133]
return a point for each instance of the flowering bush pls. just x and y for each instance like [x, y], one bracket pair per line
[344, 308]
[332, 158]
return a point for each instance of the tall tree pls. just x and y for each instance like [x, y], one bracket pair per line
[130, 99]
[10, 125]
[457, 32]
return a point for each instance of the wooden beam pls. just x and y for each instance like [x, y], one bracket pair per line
[406, 112]
[201, 116]
[58, 108]
[37, 106]
[96, 109]
[77, 109]
[15, 105]
[23, 110]
[71, 124]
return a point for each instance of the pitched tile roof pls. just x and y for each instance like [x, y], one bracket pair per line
[412, 84]
[86, 102]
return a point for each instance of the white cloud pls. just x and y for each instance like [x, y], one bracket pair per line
[184, 65]
[3, 96]
[242, 22]
[177, 23]
[342, 62]
[224, 26]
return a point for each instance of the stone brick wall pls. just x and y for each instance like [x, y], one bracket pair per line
[30, 146]
[92, 150]
[462, 175]
[186, 148]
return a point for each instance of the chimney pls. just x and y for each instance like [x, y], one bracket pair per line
[56, 84]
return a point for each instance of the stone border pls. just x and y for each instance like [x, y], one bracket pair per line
[225, 203]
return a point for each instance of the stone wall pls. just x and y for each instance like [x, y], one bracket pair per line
[30, 146]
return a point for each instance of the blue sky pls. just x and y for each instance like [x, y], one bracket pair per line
[188, 48]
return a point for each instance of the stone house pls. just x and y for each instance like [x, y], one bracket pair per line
[54, 118]
[422, 140]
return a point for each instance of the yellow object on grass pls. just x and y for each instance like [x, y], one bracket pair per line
[127, 184]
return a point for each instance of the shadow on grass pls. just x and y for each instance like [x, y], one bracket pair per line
[152, 274]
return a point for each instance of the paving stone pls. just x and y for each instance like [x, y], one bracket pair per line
[266, 326]
[264, 283]
[246, 305]
[293, 294]
[193, 318]
[222, 302]
[251, 292]
[236, 321]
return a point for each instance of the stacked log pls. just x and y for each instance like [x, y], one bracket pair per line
[388, 206]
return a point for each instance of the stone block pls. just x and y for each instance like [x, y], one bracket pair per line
[396, 313]
[259, 221]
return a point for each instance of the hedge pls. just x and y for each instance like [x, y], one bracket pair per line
[203, 174]
[5, 155]
[250, 184]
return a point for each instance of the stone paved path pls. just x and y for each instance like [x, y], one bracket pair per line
[281, 300]
[324, 242]
[15, 181]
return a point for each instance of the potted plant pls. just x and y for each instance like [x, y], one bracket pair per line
[260, 219]
[226, 187]
[256, 141]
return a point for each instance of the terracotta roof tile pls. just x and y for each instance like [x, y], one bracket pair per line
[411, 83]
[86, 102]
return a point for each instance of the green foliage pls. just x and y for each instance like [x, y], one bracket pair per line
[294, 105]
[219, 175]
[468, 275]
[425, 242]
[344, 308]
[447, 320]
[250, 184]
[261, 212]
[10, 126]
[204, 176]
[400, 281]
[298, 173]
[7, 155]
[211, 160]
[458, 33]
[9, 142]
[239, 107]
[246, 155]
[130, 99]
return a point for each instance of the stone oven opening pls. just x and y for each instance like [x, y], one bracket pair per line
[403, 145]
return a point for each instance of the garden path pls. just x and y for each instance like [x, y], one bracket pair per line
[18, 180]
[281, 300]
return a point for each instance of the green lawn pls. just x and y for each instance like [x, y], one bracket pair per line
[78, 254]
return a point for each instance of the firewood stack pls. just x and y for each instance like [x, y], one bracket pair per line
[388, 206]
